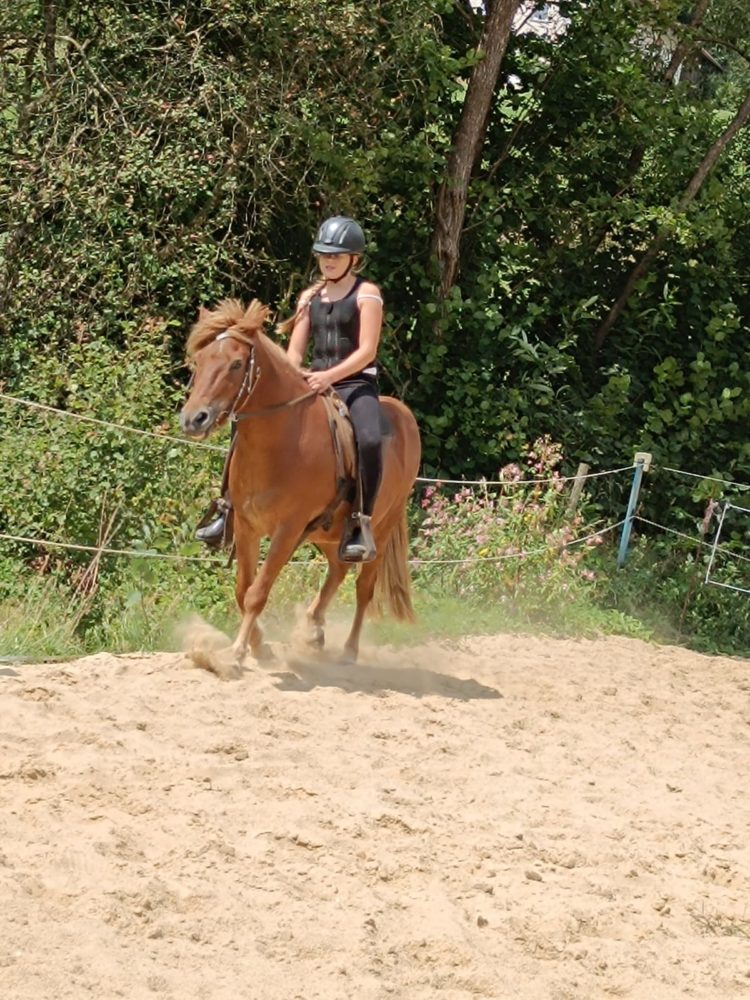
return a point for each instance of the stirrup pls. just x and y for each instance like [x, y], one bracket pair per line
[214, 528]
[358, 545]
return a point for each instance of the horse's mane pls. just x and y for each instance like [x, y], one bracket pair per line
[227, 314]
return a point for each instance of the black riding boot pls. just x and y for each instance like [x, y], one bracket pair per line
[214, 528]
[358, 545]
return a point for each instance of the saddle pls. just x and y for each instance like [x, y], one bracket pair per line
[345, 451]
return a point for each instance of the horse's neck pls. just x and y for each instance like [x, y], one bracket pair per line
[277, 380]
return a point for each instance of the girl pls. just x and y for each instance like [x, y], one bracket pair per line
[343, 315]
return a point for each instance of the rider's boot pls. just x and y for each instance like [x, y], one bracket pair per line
[358, 545]
[213, 529]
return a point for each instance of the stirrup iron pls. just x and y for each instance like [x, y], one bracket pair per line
[358, 545]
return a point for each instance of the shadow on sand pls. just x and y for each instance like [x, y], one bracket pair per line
[306, 672]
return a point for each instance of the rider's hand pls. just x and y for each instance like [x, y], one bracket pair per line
[319, 381]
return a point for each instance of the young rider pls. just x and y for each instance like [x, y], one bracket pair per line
[342, 314]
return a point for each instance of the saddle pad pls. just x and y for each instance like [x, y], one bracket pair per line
[342, 432]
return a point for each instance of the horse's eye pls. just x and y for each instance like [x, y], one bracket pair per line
[235, 365]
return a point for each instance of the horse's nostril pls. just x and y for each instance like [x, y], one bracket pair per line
[196, 423]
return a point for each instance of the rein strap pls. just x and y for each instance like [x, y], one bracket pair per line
[264, 411]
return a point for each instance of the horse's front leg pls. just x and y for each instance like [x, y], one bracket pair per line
[247, 552]
[283, 543]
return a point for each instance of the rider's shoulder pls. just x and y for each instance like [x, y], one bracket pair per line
[369, 288]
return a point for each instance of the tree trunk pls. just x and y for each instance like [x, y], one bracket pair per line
[467, 143]
[688, 196]
[50, 34]
[678, 57]
[684, 46]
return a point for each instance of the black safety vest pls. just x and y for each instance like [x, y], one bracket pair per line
[335, 329]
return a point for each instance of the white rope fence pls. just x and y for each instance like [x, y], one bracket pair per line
[151, 554]
[560, 546]
[522, 482]
[710, 479]
[692, 538]
[109, 424]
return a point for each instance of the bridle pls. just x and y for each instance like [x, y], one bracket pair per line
[249, 384]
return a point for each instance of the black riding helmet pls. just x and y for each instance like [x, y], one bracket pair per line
[339, 234]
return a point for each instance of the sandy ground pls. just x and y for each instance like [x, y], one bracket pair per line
[502, 817]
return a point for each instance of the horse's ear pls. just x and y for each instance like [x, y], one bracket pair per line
[202, 313]
[256, 315]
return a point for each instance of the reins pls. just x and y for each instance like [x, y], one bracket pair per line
[250, 382]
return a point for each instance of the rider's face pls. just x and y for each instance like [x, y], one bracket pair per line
[334, 265]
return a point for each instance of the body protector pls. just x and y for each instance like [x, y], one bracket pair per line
[335, 329]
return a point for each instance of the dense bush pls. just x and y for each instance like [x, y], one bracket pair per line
[155, 156]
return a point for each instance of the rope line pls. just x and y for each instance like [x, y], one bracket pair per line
[711, 479]
[108, 423]
[726, 586]
[84, 418]
[212, 447]
[691, 538]
[151, 554]
[136, 553]
[519, 482]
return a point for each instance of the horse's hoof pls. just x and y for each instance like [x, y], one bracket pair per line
[264, 653]
[226, 664]
[349, 656]
[316, 637]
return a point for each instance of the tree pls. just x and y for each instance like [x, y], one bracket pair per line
[696, 182]
[470, 132]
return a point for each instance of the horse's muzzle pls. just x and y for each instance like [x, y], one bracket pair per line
[198, 423]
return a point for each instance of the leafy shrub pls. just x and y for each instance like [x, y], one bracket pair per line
[507, 543]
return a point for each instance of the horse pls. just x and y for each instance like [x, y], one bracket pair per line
[283, 474]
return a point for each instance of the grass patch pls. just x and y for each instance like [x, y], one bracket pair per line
[140, 610]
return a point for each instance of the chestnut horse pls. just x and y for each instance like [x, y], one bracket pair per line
[283, 474]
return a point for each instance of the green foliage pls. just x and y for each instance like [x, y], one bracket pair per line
[157, 156]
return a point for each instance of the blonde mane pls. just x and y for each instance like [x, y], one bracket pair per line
[229, 314]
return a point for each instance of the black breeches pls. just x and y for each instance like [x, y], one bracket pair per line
[361, 397]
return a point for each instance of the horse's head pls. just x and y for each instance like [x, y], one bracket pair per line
[220, 351]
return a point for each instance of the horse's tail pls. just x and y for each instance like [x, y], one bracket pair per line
[394, 583]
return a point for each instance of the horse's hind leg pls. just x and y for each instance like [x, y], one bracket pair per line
[368, 574]
[316, 613]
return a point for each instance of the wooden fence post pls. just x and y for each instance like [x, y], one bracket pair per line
[575, 493]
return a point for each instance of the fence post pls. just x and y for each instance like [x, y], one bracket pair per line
[575, 493]
[642, 463]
